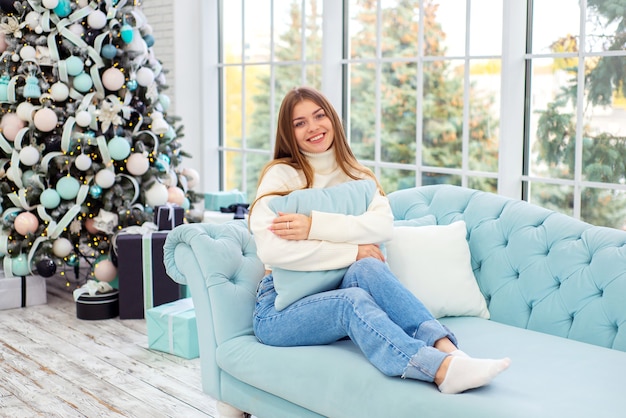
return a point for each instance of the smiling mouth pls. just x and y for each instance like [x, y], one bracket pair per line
[316, 138]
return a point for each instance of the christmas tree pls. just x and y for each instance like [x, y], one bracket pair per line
[87, 147]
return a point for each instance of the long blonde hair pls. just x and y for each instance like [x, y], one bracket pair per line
[286, 149]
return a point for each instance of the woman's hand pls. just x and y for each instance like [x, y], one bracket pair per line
[292, 226]
[370, 250]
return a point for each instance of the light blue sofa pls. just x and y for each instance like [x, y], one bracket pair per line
[555, 288]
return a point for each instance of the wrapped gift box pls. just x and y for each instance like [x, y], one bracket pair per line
[19, 292]
[142, 280]
[172, 328]
[99, 306]
[215, 217]
[168, 217]
[217, 200]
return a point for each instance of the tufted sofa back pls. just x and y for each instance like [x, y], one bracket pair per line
[538, 269]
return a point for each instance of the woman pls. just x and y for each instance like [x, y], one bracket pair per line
[388, 323]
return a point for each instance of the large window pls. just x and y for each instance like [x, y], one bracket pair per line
[477, 93]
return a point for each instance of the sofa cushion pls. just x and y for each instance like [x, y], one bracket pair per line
[350, 198]
[539, 383]
[433, 262]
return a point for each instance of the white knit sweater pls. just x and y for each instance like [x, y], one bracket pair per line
[334, 238]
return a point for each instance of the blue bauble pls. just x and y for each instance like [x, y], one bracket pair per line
[74, 65]
[132, 85]
[95, 191]
[109, 51]
[119, 148]
[63, 9]
[82, 82]
[19, 265]
[127, 33]
[149, 40]
[68, 187]
[50, 198]
[72, 260]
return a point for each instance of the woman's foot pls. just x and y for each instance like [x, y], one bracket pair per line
[460, 373]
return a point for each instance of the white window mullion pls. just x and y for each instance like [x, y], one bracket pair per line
[419, 108]
[580, 113]
[466, 97]
[332, 51]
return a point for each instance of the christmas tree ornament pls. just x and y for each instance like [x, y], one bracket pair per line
[106, 221]
[119, 148]
[74, 65]
[28, 53]
[11, 125]
[137, 164]
[149, 40]
[145, 76]
[95, 191]
[77, 29]
[83, 118]
[63, 8]
[50, 4]
[4, 88]
[105, 270]
[82, 82]
[113, 79]
[83, 162]
[126, 32]
[31, 89]
[49, 199]
[186, 203]
[159, 126]
[19, 265]
[67, 187]
[164, 101]
[90, 226]
[72, 260]
[108, 51]
[27, 178]
[97, 19]
[175, 195]
[3, 42]
[193, 177]
[62, 247]
[156, 195]
[132, 85]
[105, 178]
[45, 119]
[25, 111]
[46, 267]
[29, 155]
[32, 20]
[59, 91]
[26, 223]
[14, 174]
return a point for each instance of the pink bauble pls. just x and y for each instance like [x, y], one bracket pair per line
[105, 271]
[137, 164]
[113, 79]
[45, 119]
[26, 223]
[3, 42]
[90, 227]
[175, 195]
[11, 125]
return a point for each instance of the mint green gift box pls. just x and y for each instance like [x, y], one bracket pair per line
[217, 200]
[172, 328]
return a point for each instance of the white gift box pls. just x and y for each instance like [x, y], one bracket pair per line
[216, 217]
[19, 292]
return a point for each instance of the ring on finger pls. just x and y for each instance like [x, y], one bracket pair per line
[288, 226]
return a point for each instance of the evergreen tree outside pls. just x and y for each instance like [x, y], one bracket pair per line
[87, 146]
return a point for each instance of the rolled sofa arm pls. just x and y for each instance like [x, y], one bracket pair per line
[219, 264]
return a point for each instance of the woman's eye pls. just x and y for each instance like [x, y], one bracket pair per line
[298, 124]
[321, 115]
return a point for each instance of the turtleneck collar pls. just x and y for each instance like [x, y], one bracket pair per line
[322, 162]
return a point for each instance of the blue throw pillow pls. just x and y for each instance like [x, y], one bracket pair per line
[351, 198]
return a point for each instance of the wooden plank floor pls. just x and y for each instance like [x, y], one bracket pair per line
[55, 365]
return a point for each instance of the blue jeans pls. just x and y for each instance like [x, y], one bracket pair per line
[393, 329]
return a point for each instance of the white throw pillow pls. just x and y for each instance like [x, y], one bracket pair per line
[433, 262]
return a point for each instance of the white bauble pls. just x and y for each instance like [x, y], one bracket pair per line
[113, 79]
[13, 175]
[77, 29]
[25, 111]
[83, 162]
[137, 164]
[193, 178]
[157, 195]
[10, 125]
[50, 4]
[62, 247]
[28, 53]
[45, 119]
[105, 178]
[97, 19]
[59, 92]
[29, 155]
[145, 76]
[32, 19]
[83, 118]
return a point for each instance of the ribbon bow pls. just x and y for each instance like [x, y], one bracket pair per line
[92, 287]
[239, 209]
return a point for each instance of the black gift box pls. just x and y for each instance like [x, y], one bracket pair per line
[98, 306]
[137, 276]
[168, 217]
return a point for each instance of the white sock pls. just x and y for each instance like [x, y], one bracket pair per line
[459, 353]
[467, 373]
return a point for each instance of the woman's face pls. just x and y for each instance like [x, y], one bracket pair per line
[312, 128]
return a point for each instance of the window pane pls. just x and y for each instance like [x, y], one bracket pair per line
[232, 170]
[231, 32]
[400, 28]
[604, 148]
[362, 29]
[254, 166]
[555, 197]
[443, 113]
[444, 28]
[258, 118]
[392, 179]
[486, 27]
[437, 178]
[257, 15]
[288, 30]
[398, 107]
[544, 30]
[484, 115]
[313, 47]
[483, 183]
[552, 117]
[232, 107]
[362, 110]
[603, 26]
[604, 207]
